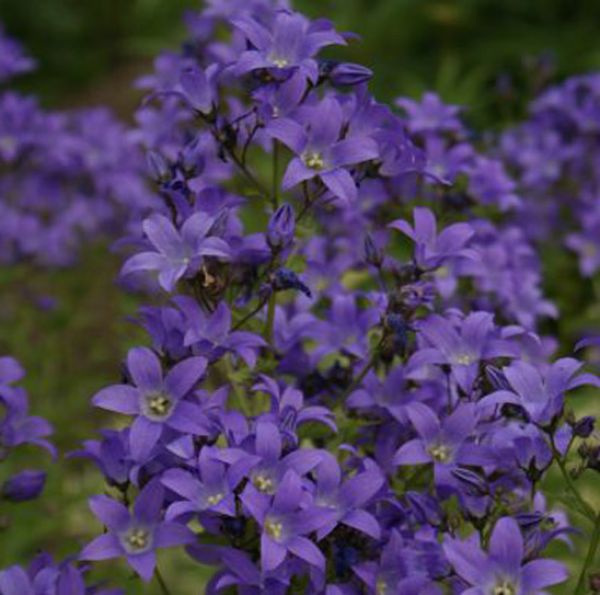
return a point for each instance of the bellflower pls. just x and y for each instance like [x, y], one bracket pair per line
[157, 401]
[319, 150]
[135, 535]
[177, 253]
[446, 444]
[541, 395]
[285, 525]
[289, 44]
[433, 249]
[476, 340]
[501, 570]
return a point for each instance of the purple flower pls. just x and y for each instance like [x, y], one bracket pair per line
[210, 335]
[320, 151]
[281, 229]
[288, 409]
[463, 349]
[13, 60]
[177, 253]
[135, 535]
[433, 250]
[198, 88]
[290, 44]
[348, 499]
[44, 576]
[404, 568]
[269, 466]
[345, 329]
[157, 402]
[446, 443]
[111, 455]
[541, 395]
[211, 490]
[26, 485]
[285, 523]
[501, 569]
[431, 115]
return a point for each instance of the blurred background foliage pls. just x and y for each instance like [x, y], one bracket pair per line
[488, 55]
[461, 48]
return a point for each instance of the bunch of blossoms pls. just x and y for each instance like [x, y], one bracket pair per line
[554, 155]
[337, 398]
[13, 60]
[66, 178]
[18, 428]
[462, 181]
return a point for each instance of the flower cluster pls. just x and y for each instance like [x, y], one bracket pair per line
[17, 428]
[554, 156]
[13, 60]
[330, 394]
[66, 178]
[344, 391]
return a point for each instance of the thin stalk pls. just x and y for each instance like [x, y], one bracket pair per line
[249, 175]
[161, 581]
[250, 315]
[361, 375]
[589, 559]
[241, 401]
[584, 507]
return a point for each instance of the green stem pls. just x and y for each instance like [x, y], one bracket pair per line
[161, 582]
[250, 315]
[249, 175]
[241, 401]
[584, 507]
[361, 375]
[589, 559]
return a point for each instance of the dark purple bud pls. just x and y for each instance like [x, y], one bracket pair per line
[372, 253]
[399, 327]
[496, 378]
[345, 557]
[474, 483]
[159, 168]
[424, 508]
[286, 279]
[584, 427]
[24, 486]
[191, 160]
[281, 229]
[344, 74]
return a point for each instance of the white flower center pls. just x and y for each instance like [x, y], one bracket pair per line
[440, 453]
[264, 483]
[214, 499]
[504, 588]
[274, 529]
[157, 405]
[314, 160]
[136, 540]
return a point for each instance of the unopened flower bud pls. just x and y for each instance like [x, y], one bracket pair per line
[372, 254]
[280, 232]
[584, 427]
[159, 168]
[24, 486]
[344, 74]
[287, 279]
